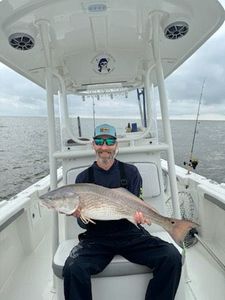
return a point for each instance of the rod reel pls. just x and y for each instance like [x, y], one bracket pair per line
[192, 164]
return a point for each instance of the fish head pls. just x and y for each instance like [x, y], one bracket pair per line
[63, 199]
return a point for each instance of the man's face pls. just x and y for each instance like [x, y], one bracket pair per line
[105, 153]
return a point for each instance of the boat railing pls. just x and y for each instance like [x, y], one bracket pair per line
[150, 148]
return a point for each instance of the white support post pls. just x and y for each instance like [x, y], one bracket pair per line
[52, 150]
[61, 118]
[165, 114]
[64, 113]
[64, 117]
[51, 130]
[148, 94]
[63, 108]
[44, 32]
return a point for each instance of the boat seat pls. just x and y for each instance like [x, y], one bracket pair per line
[148, 170]
[118, 267]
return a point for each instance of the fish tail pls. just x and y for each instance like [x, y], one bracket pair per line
[180, 229]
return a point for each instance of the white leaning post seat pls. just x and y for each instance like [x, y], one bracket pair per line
[121, 279]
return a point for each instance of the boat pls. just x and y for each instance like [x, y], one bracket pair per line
[97, 49]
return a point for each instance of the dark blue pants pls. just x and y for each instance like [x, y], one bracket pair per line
[93, 254]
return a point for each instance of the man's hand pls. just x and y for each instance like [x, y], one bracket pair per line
[140, 219]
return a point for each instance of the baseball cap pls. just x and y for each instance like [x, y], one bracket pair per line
[105, 129]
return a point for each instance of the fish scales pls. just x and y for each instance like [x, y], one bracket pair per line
[115, 204]
[105, 208]
[94, 207]
[95, 202]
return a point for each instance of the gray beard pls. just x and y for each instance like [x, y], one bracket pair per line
[106, 161]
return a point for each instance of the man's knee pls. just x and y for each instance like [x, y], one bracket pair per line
[173, 256]
[74, 268]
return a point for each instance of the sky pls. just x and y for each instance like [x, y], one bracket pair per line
[20, 97]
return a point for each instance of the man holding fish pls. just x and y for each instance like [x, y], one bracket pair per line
[103, 239]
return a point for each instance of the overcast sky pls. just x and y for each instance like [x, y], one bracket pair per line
[18, 96]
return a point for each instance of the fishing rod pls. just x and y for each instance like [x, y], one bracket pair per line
[192, 164]
[141, 92]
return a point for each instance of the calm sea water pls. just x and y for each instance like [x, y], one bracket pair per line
[24, 148]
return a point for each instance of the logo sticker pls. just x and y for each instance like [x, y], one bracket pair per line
[103, 64]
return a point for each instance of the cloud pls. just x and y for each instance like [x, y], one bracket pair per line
[18, 96]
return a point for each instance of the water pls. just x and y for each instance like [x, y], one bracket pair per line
[24, 148]
[209, 146]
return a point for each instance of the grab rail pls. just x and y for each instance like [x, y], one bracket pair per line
[145, 148]
[11, 219]
[214, 201]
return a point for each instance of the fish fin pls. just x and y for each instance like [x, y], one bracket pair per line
[67, 211]
[86, 220]
[180, 229]
[90, 220]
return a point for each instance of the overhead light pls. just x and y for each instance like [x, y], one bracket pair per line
[97, 7]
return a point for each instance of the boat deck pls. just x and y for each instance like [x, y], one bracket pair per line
[33, 279]
[206, 280]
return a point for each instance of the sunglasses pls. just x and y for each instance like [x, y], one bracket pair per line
[101, 141]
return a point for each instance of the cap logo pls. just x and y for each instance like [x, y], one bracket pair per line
[104, 129]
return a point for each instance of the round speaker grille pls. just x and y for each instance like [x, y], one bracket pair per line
[21, 41]
[176, 30]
